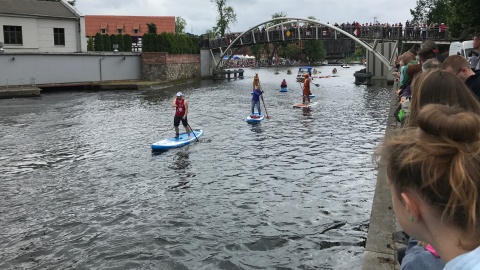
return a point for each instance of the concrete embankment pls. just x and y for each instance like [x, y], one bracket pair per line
[18, 92]
[380, 249]
[29, 91]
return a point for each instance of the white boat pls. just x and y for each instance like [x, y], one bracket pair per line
[345, 66]
[302, 71]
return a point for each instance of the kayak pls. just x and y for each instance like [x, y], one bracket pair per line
[284, 89]
[175, 142]
[301, 105]
[254, 118]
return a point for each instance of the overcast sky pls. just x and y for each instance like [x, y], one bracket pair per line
[200, 15]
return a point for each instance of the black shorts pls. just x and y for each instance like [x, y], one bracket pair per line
[177, 119]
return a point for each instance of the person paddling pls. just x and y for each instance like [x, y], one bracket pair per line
[306, 90]
[181, 111]
[256, 100]
[284, 84]
[256, 81]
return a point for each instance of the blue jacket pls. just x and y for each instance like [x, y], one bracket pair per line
[417, 257]
[256, 95]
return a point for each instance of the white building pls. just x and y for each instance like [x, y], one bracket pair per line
[35, 26]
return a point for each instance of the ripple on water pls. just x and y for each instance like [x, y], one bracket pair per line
[82, 190]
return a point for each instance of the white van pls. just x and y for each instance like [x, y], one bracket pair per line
[461, 48]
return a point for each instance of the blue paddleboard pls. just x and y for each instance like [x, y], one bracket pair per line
[255, 118]
[284, 89]
[176, 142]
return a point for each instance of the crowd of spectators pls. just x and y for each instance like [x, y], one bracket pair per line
[436, 95]
[432, 31]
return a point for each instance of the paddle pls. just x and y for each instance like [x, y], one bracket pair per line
[266, 113]
[193, 132]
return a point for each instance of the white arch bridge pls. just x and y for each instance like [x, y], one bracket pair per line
[380, 53]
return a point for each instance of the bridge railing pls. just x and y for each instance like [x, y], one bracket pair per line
[387, 33]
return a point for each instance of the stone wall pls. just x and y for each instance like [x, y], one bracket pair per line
[167, 67]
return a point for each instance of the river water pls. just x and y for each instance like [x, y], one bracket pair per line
[80, 188]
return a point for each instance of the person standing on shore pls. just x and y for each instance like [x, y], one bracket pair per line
[181, 111]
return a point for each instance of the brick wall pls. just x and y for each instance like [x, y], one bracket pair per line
[166, 67]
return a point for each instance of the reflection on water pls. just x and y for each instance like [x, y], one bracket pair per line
[81, 188]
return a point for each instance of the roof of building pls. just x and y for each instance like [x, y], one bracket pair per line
[111, 24]
[36, 8]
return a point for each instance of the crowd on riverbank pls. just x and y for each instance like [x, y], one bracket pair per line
[433, 163]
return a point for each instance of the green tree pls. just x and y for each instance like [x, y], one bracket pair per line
[256, 51]
[226, 16]
[439, 12]
[359, 52]
[148, 42]
[278, 15]
[98, 45]
[210, 34]
[121, 45]
[152, 28]
[127, 43]
[290, 51]
[421, 11]
[107, 44]
[171, 44]
[180, 24]
[315, 50]
[113, 40]
[90, 44]
[464, 19]
[162, 42]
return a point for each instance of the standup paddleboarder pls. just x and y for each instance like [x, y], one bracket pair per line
[181, 111]
[306, 90]
[256, 81]
[256, 100]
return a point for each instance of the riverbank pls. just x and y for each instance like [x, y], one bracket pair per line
[380, 249]
[30, 91]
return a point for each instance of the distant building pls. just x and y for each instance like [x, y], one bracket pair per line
[33, 26]
[134, 26]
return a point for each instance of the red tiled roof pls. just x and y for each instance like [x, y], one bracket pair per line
[95, 23]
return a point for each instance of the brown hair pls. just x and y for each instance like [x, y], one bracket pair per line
[455, 62]
[440, 87]
[440, 161]
[426, 53]
[413, 69]
[408, 57]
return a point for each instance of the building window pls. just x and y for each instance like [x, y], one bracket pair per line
[59, 36]
[12, 34]
[135, 31]
[119, 31]
[104, 31]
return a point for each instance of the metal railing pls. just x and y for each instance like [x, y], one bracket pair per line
[391, 33]
[20, 83]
